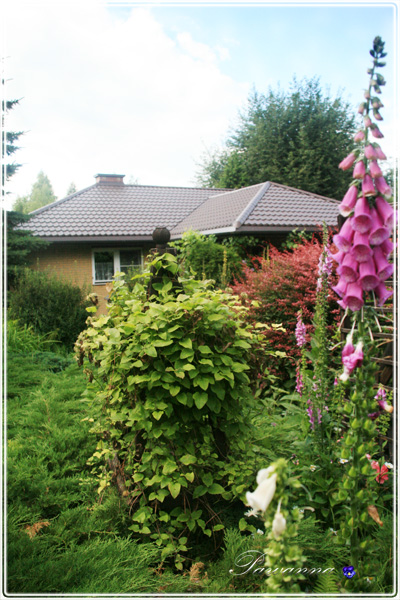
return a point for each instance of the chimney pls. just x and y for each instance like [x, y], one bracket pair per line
[102, 179]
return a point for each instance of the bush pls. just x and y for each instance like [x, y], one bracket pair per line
[171, 390]
[284, 283]
[48, 304]
[205, 258]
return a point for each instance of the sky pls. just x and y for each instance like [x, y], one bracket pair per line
[146, 89]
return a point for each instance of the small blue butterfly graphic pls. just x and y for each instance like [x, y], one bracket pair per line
[349, 572]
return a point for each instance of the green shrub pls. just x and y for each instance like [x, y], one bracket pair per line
[170, 397]
[203, 257]
[48, 304]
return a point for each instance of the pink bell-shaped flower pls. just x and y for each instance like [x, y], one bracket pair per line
[362, 220]
[369, 152]
[347, 162]
[361, 249]
[349, 199]
[344, 238]
[383, 187]
[359, 170]
[382, 294]
[375, 169]
[367, 186]
[368, 277]
[340, 288]
[385, 211]
[354, 296]
[379, 233]
[384, 269]
[360, 135]
[338, 257]
[348, 270]
[379, 152]
[376, 132]
[367, 121]
[387, 247]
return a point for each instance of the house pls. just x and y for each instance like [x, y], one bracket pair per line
[108, 226]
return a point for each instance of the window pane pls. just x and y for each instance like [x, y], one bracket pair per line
[103, 266]
[130, 259]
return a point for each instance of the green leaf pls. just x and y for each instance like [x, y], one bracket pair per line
[174, 390]
[200, 490]
[150, 351]
[189, 477]
[200, 399]
[174, 489]
[205, 350]
[189, 367]
[188, 459]
[218, 527]
[187, 353]
[186, 343]
[157, 414]
[215, 488]
[169, 467]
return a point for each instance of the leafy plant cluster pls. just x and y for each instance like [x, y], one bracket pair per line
[171, 391]
[49, 305]
[205, 258]
[282, 284]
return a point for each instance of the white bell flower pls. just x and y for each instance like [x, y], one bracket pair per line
[279, 522]
[262, 496]
[264, 474]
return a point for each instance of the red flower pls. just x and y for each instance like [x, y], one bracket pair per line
[382, 472]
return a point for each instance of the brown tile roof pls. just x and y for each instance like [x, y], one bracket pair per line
[114, 211]
[262, 207]
[106, 210]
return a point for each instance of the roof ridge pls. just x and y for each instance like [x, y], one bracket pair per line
[173, 187]
[305, 192]
[60, 201]
[246, 212]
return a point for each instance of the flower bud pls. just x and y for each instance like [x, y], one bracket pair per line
[360, 135]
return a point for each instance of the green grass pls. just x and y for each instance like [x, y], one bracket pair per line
[83, 545]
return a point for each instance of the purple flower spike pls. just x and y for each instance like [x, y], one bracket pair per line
[354, 296]
[383, 187]
[349, 199]
[375, 169]
[384, 269]
[362, 220]
[340, 288]
[370, 152]
[347, 162]
[361, 247]
[359, 170]
[344, 238]
[379, 233]
[300, 331]
[368, 277]
[367, 186]
[387, 247]
[382, 294]
[348, 270]
[385, 211]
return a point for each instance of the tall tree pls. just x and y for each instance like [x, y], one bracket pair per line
[41, 194]
[295, 138]
[71, 189]
[20, 243]
[8, 141]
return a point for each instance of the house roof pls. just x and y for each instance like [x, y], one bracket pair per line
[112, 211]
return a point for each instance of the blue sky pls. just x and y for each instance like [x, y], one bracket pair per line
[146, 89]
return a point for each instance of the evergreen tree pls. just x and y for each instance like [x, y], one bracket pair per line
[20, 244]
[71, 189]
[8, 142]
[296, 138]
[41, 194]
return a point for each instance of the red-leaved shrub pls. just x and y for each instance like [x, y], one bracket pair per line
[284, 283]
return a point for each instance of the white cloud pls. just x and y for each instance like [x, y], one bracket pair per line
[106, 93]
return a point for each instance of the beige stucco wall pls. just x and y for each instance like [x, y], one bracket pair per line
[72, 262]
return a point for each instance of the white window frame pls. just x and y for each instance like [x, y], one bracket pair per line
[117, 261]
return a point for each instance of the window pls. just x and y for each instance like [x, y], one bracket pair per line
[108, 262]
